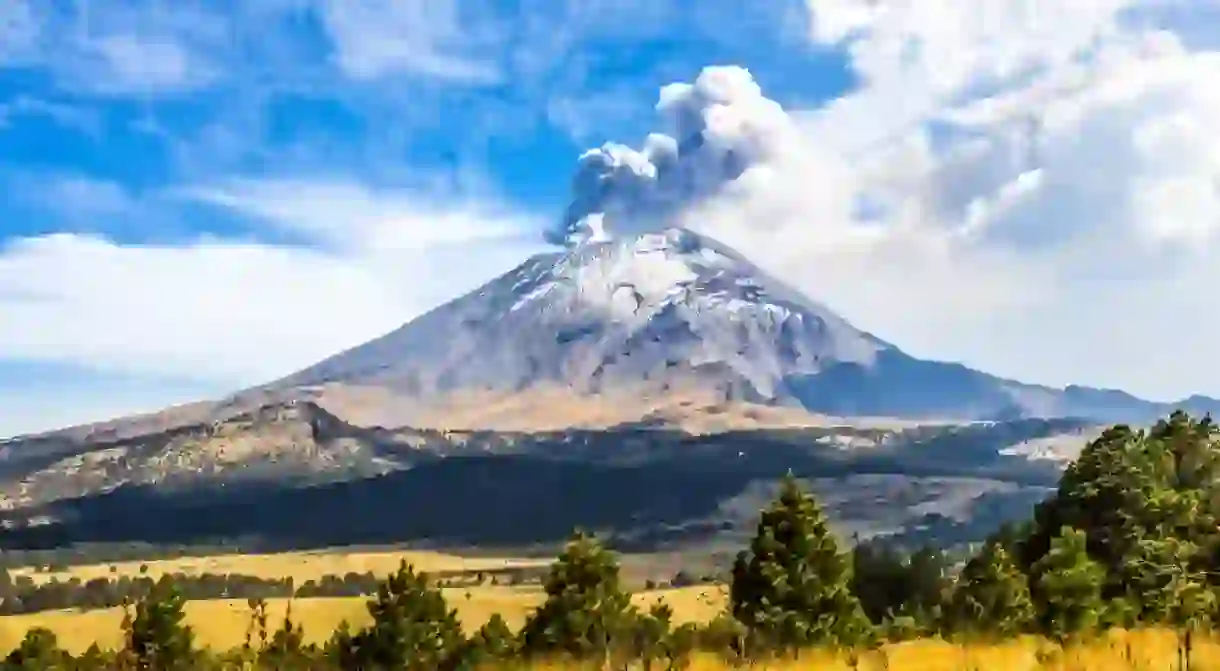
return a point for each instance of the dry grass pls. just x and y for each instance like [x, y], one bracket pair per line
[681, 404]
[301, 566]
[684, 406]
[222, 624]
[1115, 651]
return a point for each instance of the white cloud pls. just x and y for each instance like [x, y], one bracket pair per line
[135, 49]
[127, 63]
[351, 216]
[1027, 186]
[242, 313]
[1048, 185]
[374, 38]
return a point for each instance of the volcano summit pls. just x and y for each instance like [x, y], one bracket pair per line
[655, 312]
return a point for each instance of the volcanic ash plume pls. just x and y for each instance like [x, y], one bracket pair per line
[714, 131]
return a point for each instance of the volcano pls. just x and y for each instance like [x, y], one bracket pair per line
[548, 392]
[652, 313]
[675, 312]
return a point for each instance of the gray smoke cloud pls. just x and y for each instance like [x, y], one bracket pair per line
[713, 131]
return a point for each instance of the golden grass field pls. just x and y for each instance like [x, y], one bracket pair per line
[222, 624]
[1115, 651]
[301, 566]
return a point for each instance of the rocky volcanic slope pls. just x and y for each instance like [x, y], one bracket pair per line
[316, 480]
[661, 309]
[638, 326]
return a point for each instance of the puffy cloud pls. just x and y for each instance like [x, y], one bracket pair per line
[1027, 186]
[238, 313]
[714, 129]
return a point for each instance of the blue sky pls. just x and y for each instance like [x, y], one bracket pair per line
[204, 195]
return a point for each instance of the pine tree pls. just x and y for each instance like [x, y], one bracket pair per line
[651, 634]
[1167, 585]
[412, 628]
[38, 651]
[586, 608]
[1130, 491]
[991, 596]
[494, 641]
[793, 587]
[879, 580]
[927, 573]
[157, 639]
[340, 650]
[1066, 586]
[94, 658]
[286, 650]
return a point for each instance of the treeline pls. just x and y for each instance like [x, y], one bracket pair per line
[23, 594]
[61, 558]
[1130, 539]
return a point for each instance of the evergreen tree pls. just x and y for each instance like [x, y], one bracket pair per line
[928, 576]
[412, 628]
[494, 641]
[93, 658]
[340, 650]
[879, 580]
[651, 634]
[586, 608]
[793, 587]
[903, 594]
[1164, 582]
[1148, 502]
[157, 639]
[38, 651]
[286, 651]
[991, 596]
[1066, 586]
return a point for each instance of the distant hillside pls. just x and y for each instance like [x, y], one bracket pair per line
[333, 483]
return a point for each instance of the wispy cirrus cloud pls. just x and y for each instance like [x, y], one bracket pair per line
[148, 49]
[373, 38]
[24, 107]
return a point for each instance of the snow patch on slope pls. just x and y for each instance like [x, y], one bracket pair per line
[636, 279]
[655, 311]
